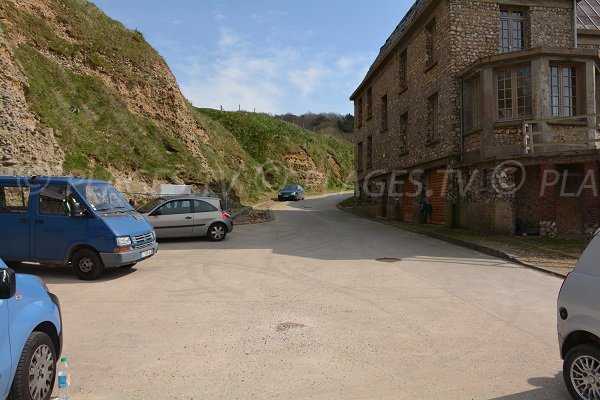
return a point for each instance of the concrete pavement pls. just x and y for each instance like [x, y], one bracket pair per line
[298, 308]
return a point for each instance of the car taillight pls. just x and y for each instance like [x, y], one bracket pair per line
[225, 215]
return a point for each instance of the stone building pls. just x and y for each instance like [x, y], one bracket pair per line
[482, 115]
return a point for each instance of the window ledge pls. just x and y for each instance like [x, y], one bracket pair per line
[431, 65]
[510, 122]
[472, 131]
[575, 121]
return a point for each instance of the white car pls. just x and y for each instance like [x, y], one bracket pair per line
[579, 325]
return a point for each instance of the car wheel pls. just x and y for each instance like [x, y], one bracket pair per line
[217, 232]
[581, 372]
[127, 266]
[36, 370]
[87, 264]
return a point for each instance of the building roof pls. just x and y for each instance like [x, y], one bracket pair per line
[588, 14]
[400, 30]
[588, 17]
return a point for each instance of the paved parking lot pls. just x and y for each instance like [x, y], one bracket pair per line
[299, 308]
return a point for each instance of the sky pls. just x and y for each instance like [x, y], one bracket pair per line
[272, 56]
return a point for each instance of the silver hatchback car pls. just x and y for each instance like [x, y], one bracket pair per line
[183, 216]
[579, 325]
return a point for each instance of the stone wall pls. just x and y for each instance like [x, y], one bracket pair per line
[551, 27]
[467, 32]
[475, 31]
[423, 81]
[508, 136]
[472, 141]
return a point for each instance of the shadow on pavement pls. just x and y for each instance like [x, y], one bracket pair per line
[315, 228]
[547, 388]
[54, 274]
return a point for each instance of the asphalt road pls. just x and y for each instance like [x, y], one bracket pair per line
[298, 308]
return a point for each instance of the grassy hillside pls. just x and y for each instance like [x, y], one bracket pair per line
[267, 139]
[94, 127]
[117, 113]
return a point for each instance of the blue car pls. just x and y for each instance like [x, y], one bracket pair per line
[71, 221]
[30, 336]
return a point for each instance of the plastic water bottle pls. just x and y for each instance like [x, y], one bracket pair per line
[64, 379]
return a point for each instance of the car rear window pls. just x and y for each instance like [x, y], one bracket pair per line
[202, 206]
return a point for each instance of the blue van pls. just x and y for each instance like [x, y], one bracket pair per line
[30, 336]
[61, 221]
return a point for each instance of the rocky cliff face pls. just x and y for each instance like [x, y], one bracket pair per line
[81, 94]
[146, 85]
[27, 146]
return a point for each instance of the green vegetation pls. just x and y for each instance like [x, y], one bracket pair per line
[267, 140]
[103, 132]
[246, 153]
[102, 42]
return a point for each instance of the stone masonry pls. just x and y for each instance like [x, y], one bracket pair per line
[466, 44]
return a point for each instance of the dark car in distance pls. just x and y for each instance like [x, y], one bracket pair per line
[291, 192]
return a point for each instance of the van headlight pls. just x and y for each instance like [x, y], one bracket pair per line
[123, 241]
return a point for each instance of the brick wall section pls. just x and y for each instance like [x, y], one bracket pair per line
[591, 200]
[548, 202]
[527, 202]
[438, 198]
[408, 201]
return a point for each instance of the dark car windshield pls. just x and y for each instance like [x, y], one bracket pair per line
[103, 197]
[289, 187]
[149, 206]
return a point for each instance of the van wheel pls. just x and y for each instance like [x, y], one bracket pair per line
[36, 370]
[217, 232]
[581, 371]
[87, 264]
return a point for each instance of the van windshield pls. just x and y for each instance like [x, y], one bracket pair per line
[103, 197]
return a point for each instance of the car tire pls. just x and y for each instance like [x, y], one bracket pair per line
[217, 232]
[128, 266]
[87, 264]
[39, 355]
[580, 371]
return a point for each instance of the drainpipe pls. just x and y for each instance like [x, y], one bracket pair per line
[462, 124]
[575, 22]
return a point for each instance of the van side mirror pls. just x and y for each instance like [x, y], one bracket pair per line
[76, 210]
[8, 283]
